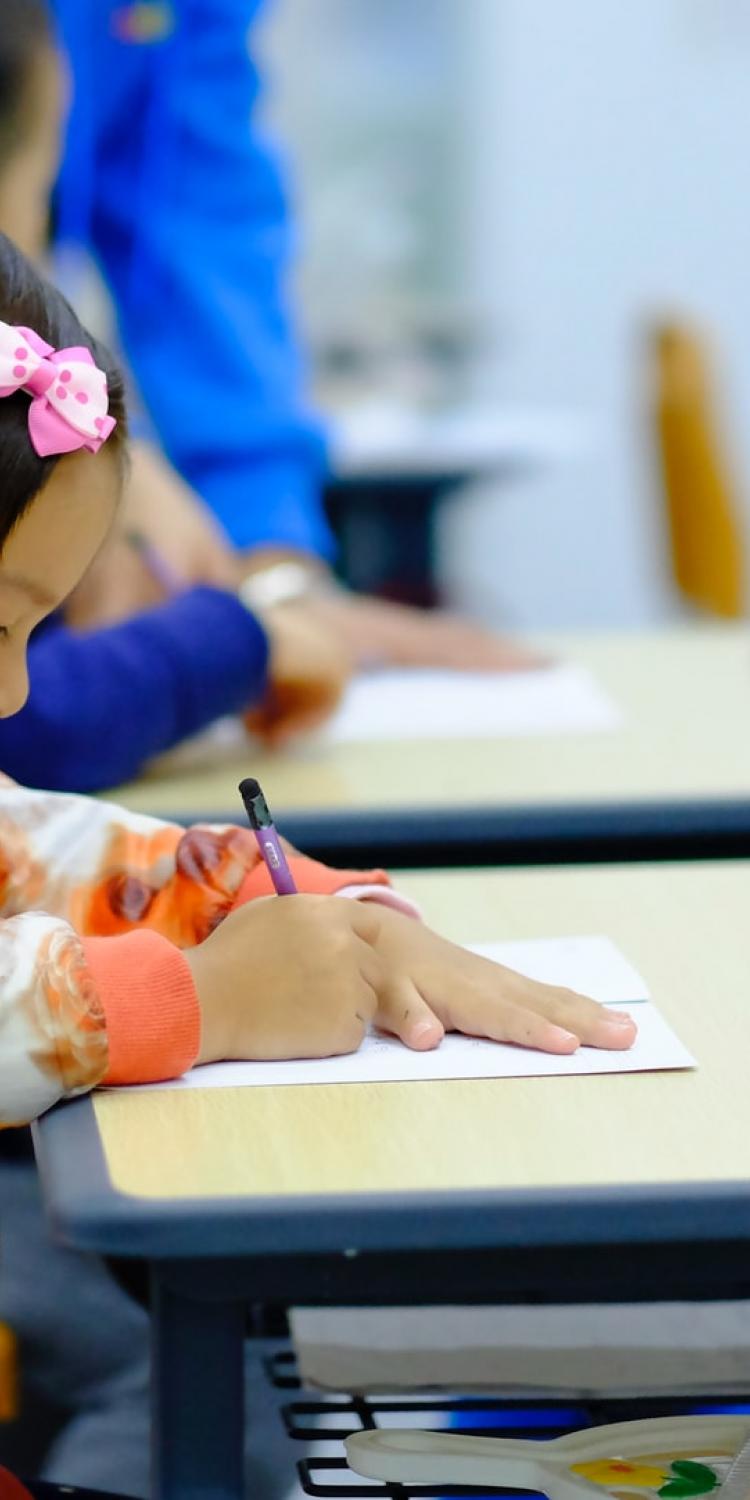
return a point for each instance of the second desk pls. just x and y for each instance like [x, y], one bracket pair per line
[672, 782]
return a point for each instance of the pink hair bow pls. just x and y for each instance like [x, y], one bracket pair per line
[70, 404]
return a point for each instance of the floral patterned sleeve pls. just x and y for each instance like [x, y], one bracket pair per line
[95, 905]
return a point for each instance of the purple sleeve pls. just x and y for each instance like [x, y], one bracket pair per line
[104, 702]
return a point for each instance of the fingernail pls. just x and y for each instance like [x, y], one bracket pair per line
[620, 1022]
[620, 1015]
[422, 1028]
[568, 1036]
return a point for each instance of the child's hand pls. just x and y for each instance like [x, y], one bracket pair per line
[292, 977]
[309, 668]
[304, 976]
[433, 986]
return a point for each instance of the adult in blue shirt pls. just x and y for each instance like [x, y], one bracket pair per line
[169, 179]
[181, 202]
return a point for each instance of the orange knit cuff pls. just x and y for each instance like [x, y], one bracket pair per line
[150, 1004]
[311, 877]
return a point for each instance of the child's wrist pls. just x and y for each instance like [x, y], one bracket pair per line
[213, 1040]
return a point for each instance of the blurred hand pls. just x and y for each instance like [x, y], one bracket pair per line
[376, 630]
[161, 508]
[309, 668]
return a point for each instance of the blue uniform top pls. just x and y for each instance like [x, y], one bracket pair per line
[168, 180]
[103, 702]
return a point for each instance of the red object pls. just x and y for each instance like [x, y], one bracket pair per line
[11, 1488]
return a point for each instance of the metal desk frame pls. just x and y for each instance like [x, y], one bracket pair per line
[535, 835]
[207, 1261]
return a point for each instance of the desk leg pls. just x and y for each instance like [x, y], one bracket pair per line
[197, 1399]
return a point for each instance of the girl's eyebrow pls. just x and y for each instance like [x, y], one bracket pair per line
[34, 590]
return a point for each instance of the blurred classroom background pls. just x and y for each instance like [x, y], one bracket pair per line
[498, 199]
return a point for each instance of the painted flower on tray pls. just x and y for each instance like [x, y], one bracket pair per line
[688, 1478]
[613, 1471]
[683, 1480]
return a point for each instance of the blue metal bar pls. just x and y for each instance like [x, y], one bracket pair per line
[198, 1416]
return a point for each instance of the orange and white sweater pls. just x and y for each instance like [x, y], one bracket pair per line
[95, 905]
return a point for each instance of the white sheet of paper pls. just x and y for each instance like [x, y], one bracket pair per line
[592, 965]
[417, 705]
[409, 705]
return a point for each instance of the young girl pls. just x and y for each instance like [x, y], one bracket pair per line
[130, 949]
[133, 950]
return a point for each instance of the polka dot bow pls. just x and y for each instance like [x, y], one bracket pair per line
[70, 405]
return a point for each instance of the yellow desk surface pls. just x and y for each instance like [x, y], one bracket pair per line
[684, 926]
[685, 695]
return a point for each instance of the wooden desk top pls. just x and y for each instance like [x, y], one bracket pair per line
[684, 926]
[685, 696]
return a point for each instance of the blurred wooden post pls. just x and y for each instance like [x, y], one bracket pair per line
[704, 518]
[8, 1375]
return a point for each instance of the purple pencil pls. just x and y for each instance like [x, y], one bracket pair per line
[269, 843]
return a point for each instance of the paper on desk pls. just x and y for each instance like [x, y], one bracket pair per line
[591, 965]
[416, 705]
[407, 705]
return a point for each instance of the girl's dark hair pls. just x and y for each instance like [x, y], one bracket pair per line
[25, 29]
[27, 300]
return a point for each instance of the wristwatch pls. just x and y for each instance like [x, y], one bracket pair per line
[282, 583]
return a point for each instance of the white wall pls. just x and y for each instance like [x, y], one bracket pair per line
[598, 150]
[613, 138]
[367, 96]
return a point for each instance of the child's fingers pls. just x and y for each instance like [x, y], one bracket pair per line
[507, 1021]
[278, 726]
[541, 1016]
[595, 1025]
[282, 732]
[403, 1012]
[274, 726]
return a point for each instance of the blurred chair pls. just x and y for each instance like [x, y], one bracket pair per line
[8, 1375]
[703, 512]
